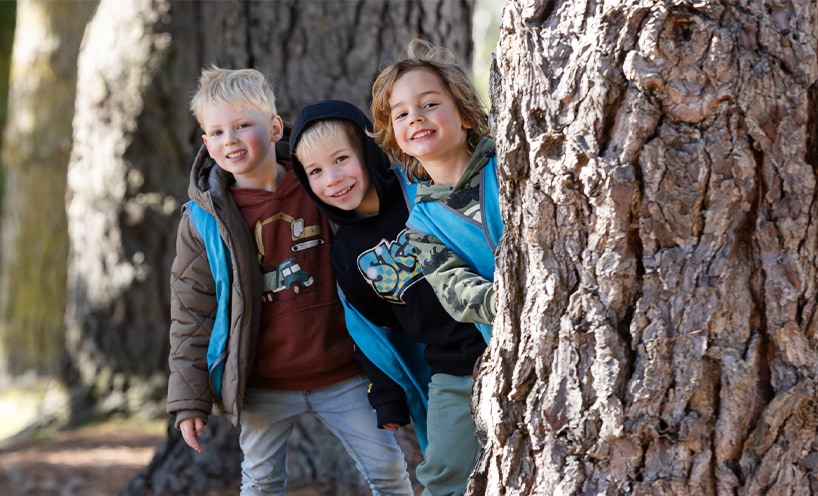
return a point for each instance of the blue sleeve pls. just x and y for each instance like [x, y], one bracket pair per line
[398, 358]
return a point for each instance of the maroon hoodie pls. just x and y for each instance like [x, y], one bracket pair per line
[302, 342]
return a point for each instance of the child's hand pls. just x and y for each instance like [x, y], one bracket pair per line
[391, 427]
[192, 427]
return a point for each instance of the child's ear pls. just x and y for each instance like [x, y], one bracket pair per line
[276, 128]
[206, 144]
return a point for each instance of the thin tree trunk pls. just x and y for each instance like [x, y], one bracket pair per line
[657, 333]
[36, 147]
[134, 140]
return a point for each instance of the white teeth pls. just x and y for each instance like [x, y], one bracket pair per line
[421, 134]
[237, 154]
[342, 192]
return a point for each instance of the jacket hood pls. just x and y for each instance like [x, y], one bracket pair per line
[208, 182]
[376, 161]
[482, 154]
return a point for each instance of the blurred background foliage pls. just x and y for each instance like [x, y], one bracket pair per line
[8, 12]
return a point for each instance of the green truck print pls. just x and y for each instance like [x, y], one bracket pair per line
[287, 275]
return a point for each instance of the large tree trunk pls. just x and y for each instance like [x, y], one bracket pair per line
[36, 148]
[658, 329]
[134, 140]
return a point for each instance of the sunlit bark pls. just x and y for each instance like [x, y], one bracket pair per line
[658, 330]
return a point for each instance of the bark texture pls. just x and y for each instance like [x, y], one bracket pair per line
[123, 180]
[658, 333]
[36, 148]
[134, 140]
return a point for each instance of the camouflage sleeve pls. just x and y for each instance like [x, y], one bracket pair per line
[465, 295]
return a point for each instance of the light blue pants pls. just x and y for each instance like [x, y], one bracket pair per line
[267, 421]
[453, 447]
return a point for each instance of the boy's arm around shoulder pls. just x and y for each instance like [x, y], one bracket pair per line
[192, 309]
[463, 293]
[385, 396]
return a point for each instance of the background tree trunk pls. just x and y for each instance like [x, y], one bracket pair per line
[134, 140]
[36, 148]
[658, 329]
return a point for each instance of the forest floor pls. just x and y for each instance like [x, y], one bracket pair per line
[96, 460]
[100, 459]
[93, 460]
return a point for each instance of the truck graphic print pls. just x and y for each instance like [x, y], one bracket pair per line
[391, 267]
[286, 275]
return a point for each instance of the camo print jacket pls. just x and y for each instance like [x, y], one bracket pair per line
[466, 296]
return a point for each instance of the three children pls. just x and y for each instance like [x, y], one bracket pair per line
[266, 247]
[257, 332]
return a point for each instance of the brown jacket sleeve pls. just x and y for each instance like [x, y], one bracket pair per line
[192, 310]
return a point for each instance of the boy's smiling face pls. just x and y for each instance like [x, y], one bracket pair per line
[241, 139]
[426, 121]
[338, 176]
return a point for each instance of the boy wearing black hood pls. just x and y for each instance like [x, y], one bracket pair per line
[385, 295]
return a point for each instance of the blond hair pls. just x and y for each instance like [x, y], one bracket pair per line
[319, 132]
[421, 54]
[234, 87]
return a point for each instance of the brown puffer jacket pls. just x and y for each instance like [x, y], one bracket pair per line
[193, 302]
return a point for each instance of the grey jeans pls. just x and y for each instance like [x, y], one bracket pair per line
[267, 421]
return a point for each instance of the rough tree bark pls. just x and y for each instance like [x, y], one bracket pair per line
[658, 332]
[36, 148]
[133, 142]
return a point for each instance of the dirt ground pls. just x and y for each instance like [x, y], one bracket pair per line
[92, 461]
[99, 460]
[96, 460]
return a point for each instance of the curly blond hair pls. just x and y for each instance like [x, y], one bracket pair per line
[421, 54]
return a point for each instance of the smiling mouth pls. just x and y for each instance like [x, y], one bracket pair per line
[238, 154]
[343, 192]
[422, 134]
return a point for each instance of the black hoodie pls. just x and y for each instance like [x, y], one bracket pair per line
[366, 251]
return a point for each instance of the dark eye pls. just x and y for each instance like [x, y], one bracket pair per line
[314, 171]
[398, 116]
[430, 105]
[341, 158]
[242, 125]
[216, 133]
